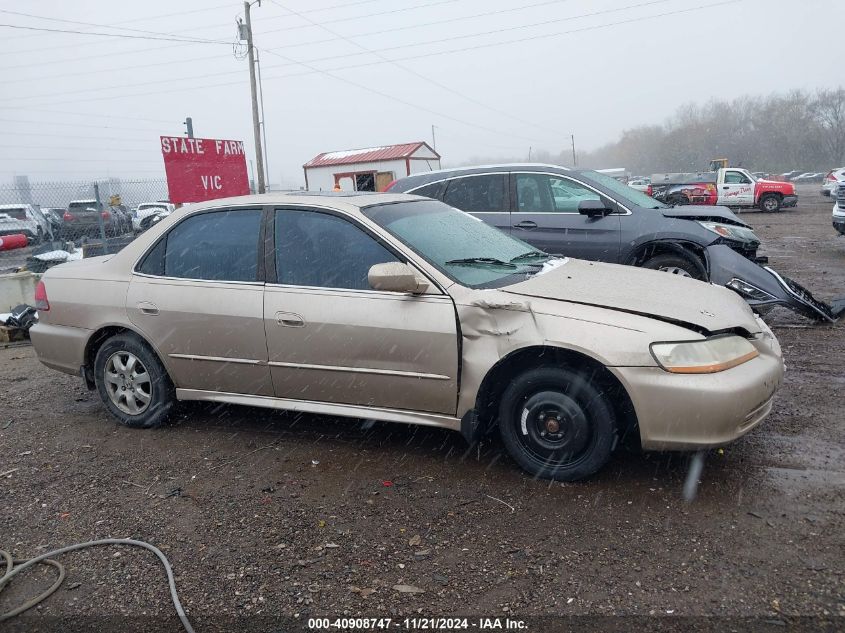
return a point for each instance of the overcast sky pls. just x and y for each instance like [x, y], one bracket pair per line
[494, 77]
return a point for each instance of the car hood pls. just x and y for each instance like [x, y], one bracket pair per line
[696, 305]
[701, 212]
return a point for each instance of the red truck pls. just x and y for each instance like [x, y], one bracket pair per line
[730, 187]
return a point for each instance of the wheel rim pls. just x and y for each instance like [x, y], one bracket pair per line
[770, 204]
[675, 270]
[128, 383]
[554, 428]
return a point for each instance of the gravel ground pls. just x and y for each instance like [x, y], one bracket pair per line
[275, 515]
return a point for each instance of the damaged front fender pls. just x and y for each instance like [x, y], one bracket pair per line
[761, 286]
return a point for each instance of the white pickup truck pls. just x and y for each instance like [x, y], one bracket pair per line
[729, 186]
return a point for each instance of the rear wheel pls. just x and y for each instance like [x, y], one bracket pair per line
[675, 264]
[132, 382]
[770, 203]
[557, 424]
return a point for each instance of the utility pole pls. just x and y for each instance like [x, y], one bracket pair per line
[433, 140]
[574, 164]
[189, 126]
[256, 124]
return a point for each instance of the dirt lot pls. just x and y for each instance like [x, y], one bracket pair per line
[276, 515]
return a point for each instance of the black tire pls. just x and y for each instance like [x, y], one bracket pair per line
[770, 203]
[570, 427]
[676, 264]
[160, 391]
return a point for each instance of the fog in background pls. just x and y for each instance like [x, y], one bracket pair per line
[495, 79]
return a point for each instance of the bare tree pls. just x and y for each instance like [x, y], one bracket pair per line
[828, 109]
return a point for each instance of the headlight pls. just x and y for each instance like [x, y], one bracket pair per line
[703, 357]
[731, 231]
[749, 291]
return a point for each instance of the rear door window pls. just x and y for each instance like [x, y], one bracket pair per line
[217, 246]
[477, 194]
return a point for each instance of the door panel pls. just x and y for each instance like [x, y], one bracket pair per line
[545, 214]
[211, 334]
[331, 338]
[737, 189]
[197, 299]
[362, 348]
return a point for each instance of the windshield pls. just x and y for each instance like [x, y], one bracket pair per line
[464, 248]
[625, 192]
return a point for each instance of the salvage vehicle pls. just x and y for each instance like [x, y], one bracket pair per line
[142, 216]
[585, 214]
[731, 187]
[24, 219]
[403, 309]
[839, 210]
[832, 180]
[83, 219]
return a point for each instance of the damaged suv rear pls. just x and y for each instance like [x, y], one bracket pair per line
[589, 215]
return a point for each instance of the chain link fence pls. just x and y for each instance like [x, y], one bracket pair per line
[78, 212]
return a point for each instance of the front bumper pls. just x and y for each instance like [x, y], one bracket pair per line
[60, 347]
[762, 286]
[789, 201]
[699, 411]
[839, 219]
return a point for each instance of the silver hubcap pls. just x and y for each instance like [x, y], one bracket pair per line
[770, 204]
[128, 383]
[674, 270]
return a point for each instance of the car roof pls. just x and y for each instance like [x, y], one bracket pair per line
[20, 205]
[348, 199]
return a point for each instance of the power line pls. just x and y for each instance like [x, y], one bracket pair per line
[101, 26]
[112, 127]
[417, 25]
[298, 44]
[503, 30]
[88, 114]
[420, 75]
[313, 70]
[373, 51]
[119, 35]
[362, 17]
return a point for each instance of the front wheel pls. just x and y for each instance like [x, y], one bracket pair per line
[133, 383]
[557, 423]
[675, 264]
[770, 203]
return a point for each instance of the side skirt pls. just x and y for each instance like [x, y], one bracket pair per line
[324, 408]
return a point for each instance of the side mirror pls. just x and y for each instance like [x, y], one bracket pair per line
[396, 277]
[593, 208]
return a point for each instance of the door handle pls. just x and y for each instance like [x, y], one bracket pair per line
[725, 187]
[148, 308]
[289, 319]
[525, 224]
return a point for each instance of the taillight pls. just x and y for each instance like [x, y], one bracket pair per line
[41, 303]
[106, 215]
[68, 216]
[649, 190]
[830, 177]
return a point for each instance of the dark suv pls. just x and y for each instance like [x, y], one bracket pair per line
[589, 215]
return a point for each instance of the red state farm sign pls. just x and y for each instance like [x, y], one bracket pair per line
[204, 168]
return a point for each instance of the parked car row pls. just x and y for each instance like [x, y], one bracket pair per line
[79, 219]
[832, 180]
[25, 219]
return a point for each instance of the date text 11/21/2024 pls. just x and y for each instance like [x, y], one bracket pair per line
[418, 624]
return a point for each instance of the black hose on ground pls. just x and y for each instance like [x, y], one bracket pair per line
[14, 567]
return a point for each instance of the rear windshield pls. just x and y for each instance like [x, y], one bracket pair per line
[82, 205]
[18, 214]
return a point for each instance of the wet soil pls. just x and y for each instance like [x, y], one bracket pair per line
[267, 514]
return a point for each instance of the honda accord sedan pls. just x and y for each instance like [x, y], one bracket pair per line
[399, 308]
